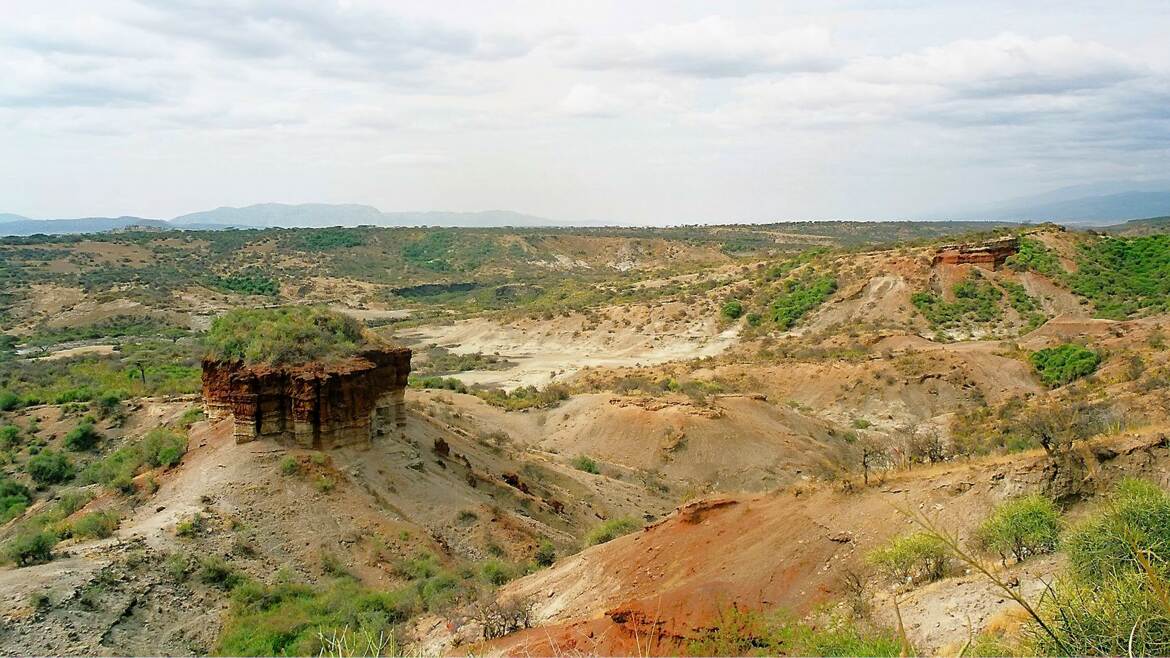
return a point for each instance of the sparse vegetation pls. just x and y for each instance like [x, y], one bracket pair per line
[587, 464]
[612, 529]
[976, 302]
[746, 633]
[798, 296]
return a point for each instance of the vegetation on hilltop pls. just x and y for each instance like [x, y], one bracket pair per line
[1124, 276]
[288, 335]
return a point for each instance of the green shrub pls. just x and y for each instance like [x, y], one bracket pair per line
[733, 309]
[1021, 528]
[1033, 255]
[1136, 516]
[31, 548]
[1057, 366]
[83, 437]
[14, 499]
[587, 464]
[96, 525]
[546, 553]
[49, 467]
[9, 436]
[191, 526]
[289, 465]
[496, 572]
[285, 335]
[919, 557]
[612, 529]
[216, 571]
[9, 401]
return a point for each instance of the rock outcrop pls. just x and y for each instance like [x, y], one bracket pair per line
[988, 255]
[314, 405]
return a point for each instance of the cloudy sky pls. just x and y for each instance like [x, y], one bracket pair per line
[662, 112]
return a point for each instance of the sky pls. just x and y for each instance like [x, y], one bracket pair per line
[639, 112]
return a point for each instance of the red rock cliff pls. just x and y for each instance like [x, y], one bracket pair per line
[988, 255]
[314, 405]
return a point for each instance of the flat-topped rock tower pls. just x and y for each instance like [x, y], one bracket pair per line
[345, 402]
[988, 255]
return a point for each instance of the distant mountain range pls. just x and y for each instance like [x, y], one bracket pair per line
[266, 215]
[1095, 204]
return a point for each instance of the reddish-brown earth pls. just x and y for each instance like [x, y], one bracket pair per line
[315, 405]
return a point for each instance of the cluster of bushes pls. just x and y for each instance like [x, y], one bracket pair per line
[247, 283]
[441, 361]
[119, 326]
[525, 397]
[1124, 276]
[441, 383]
[35, 538]
[1013, 425]
[295, 619]
[160, 448]
[285, 335]
[587, 464]
[798, 296]
[147, 367]
[1060, 365]
[326, 239]
[976, 301]
[83, 437]
[732, 309]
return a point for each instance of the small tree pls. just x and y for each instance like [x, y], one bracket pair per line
[1021, 528]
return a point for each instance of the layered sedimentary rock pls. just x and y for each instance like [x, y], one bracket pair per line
[988, 255]
[315, 405]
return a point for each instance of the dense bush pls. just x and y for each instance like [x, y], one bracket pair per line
[285, 335]
[919, 557]
[1060, 365]
[732, 309]
[247, 283]
[612, 529]
[1021, 528]
[49, 467]
[525, 397]
[329, 238]
[83, 437]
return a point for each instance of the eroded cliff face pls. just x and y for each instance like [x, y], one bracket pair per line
[314, 405]
[988, 255]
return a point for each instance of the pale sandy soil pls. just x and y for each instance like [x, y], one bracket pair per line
[554, 350]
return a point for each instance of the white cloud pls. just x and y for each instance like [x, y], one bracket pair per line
[589, 101]
[713, 47]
